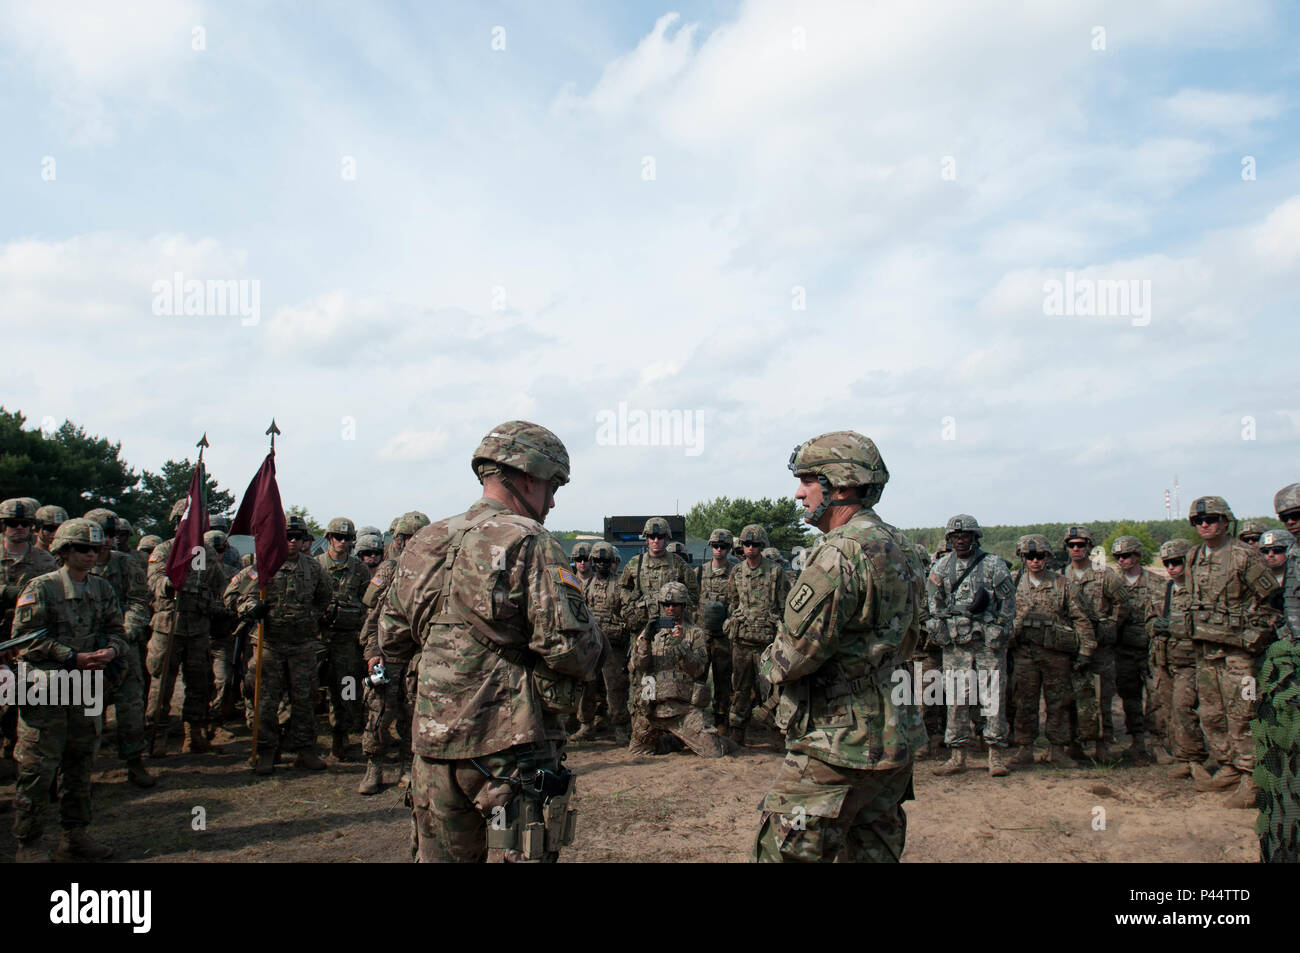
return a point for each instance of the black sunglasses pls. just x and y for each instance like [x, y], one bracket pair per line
[1290, 516]
[582, 559]
[1036, 557]
[1203, 520]
[720, 545]
[1124, 555]
[1273, 550]
[656, 536]
[49, 527]
[1080, 545]
[83, 548]
[1253, 538]
[1173, 562]
[20, 523]
[297, 537]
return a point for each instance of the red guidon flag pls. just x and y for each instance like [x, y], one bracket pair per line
[262, 517]
[189, 531]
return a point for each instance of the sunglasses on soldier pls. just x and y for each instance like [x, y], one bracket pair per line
[719, 545]
[1077, 544]
[1204, 520]
[656, 536]
[1173, 562]
[83, 548]
[1290, 516]
[1273, 550]
[1252, 538]
[1125, 555]
[19, 523]
[1035, 557]
[297, 537]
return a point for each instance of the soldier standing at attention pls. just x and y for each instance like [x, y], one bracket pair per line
[603, 597]
[1133, 646]
[1173, 664]
[646, 573]
[505, 640]
[756, 591]
[341, 630]
[224, 677]
[849, 623]
[714, 610]
[48, 520]
[972, 606]
[20, 562]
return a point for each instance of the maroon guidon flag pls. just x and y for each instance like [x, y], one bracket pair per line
[262, 517]
[189, 531]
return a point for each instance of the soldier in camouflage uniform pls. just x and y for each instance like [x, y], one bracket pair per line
[83, 631]
[1107, 601]
[670, 667]
[225, 679]
[1250, 531]
[228, 555]
[604, 597]
[144, 549]
[48, 520]
[1133, 647]
[341, 631]
[296, 597]
[930, 658]
[1274, 544]
[646, 573]
[20, 562]
[714, 609]
[370, 550]
[972, 603]
[181, 642]
[1051, 628]
[505, 641]
[124, 533]
[580, 559]
[1173, 665]
[1233, 618]
[756, 591]
[593, 701]
[1277, 725]
[390, 704]
[849, 623]
[123, 572]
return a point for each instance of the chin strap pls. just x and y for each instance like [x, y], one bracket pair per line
[506, 482]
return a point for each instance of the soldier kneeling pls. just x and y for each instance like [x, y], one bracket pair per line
[670, 662]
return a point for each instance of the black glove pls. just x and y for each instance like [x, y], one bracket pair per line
[168, 590]
[1081, 663]
[257, 610]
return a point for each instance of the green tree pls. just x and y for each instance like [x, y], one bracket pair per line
[783, 519]
[316, 529]
[160, 490]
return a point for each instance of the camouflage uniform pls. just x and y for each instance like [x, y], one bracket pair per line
[929, 655]
[16, 570]
[971, 619]
[340, 634]
[1252, 529]
[669, 675]
[604, 597]
[77, 617]
[848, 625]
[225, 679]
[713, 588]
[505, 640]
[47, 515]
[1173, 665]
[1133, 645]
[756, 597]
[388, 705]
[1232, 624]
[1051, 628]
[645, 575]
[297, 596]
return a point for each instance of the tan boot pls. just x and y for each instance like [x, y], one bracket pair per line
[196, 740]
[1244, 796]
[955, 764]
[1226, 777]
[307, 758]
[405, 779]
[997, 762]
[1060, 757]
[1138, 753]
[1162, 754]
[373, 782]
[1024, 755]
[158, 743]
[1181, 770]
[76, 844]
[265, 763]
[138, 774]
[585, 732]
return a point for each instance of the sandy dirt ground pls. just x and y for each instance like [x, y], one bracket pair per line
[670, 808]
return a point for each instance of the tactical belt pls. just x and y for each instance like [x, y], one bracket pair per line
[512, 655]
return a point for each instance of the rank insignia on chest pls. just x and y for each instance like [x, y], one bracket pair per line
[568, 578]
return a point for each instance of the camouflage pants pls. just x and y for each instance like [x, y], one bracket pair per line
[1042, 672]
[821, 813]
[1187, 741]
[1092, 703]
[720, 664]
[51, 737]
[386, 707]
[190, 655]
[975, 673]
[744, 691]
[1222, 677]
[935, 715]
[343, 679]
[454, 805]
[593, 693]
[692, 727]
[287, 667]
[614, 687]
[127, 699]
[1130, 680]
[224, 678]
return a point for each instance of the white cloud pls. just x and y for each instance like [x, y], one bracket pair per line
[414, 445]
[1230, 112]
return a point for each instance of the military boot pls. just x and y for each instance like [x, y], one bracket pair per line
[998, 762]
[585, 732]
[622, 736]
[955, 764]
[76, 844]
[307, 758]
[1161, 754]
[1226, 777]
[138, 774]
[1138, 753]
[339, 745]
[405, 779]
[1060, 757]
[1024, 755]
[1181, 770]
[1244, 795]
[1075, 751]
[738, 736]
[196, 740]
[158, 743]
[373, 782]
[265, 762]
[1101, 752]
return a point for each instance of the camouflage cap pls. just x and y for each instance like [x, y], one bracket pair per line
[79, 531]
[523, 446]
[721, 536]
[1252, 527]
[581, 551]
[341, 526]
[215, 538]
[51, 514]
[754, 533]
[17, 509]
[603, 550]
[962, 523]
[410, 523]
[1275, 537]
[1209, 506]
[1287, 499]
[738, 547]
[179, 508]
[673, 593]
[1033, 543]
[148, 544]
[1078, 532]
[369, 543]
[296, 524]
[1127, 544]
[657, 525]
[106, 519]
[1175, 548]
[842, 458]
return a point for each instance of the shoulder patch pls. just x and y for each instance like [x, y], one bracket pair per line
[567, 578]
[252, 573]
[934, 578]
[799, 598]
[377, 580]
[155, 557]
[25, 599]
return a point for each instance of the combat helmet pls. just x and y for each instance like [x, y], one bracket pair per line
[1275, 537]
[842, 458]
[106, 520]
[148, 543]
[527, 447]
[369, 543]
[673, 593]
[219, 522]
[32, 502]
[17, 508]
[581, 551]
[656, 526]
[1251, 527]
[1287, 499]
[1078, 532]
[962, 523]
[1210, 506]
[369, 531]
[296, 524]
[1127, 544]
[124, 527]
[78, 531]
[754, 533]
[408, 524]
[602, 551]
[721, 536]
[1174, 548]
[773, 553]
[213, 537]
[179, 508]
[341, 526]
[678, 547]
[49, 513]
[1033, 543]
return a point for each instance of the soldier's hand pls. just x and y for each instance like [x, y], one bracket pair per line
[95, 660]
[1082, 662]
[257, 610]
[371, 664]
[677, 630]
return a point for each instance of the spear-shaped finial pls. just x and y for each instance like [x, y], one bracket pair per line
[203, 442]
[273, 430]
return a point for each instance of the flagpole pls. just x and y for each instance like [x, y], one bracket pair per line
[261, 631]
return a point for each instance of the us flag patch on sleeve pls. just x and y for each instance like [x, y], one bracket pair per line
[25, 599]
[568, 578]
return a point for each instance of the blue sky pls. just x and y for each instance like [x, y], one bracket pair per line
[501, 251]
